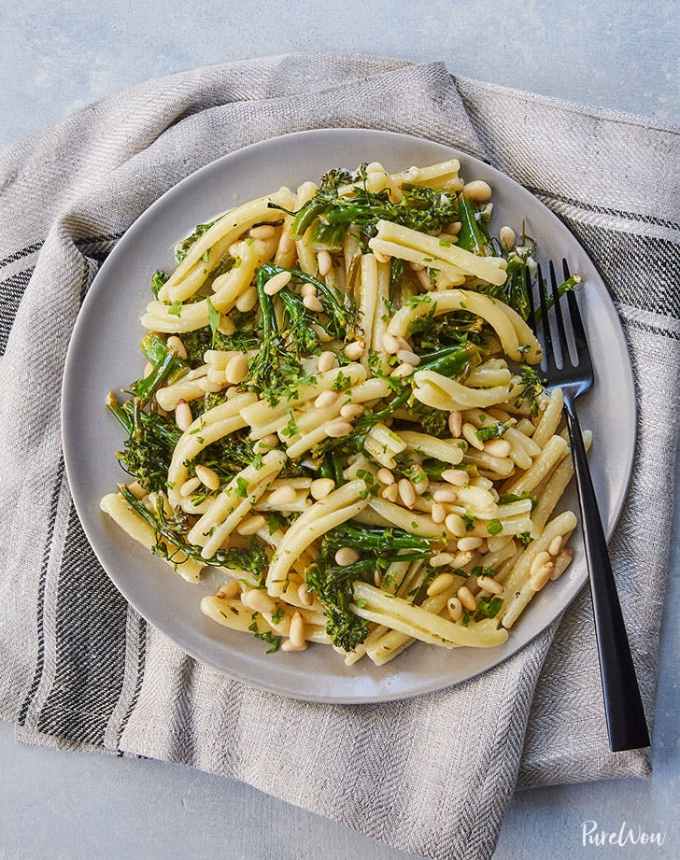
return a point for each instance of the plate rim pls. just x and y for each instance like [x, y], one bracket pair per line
[66, 433]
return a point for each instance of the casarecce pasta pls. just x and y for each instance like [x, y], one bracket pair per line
[341, 414]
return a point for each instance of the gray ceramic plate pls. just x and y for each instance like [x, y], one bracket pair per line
[103, 355]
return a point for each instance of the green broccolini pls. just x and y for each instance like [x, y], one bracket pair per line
[148, 450]
[334, 584]
[328, 216]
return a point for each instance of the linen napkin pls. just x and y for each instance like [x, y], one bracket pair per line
[79, 668]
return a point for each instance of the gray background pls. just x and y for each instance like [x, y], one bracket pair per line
[53, 60]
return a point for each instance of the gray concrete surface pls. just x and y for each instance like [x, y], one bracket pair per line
[59, 56]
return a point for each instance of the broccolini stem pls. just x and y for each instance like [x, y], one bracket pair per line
[471, 236]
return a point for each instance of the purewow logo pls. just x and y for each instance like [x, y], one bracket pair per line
[628, 835]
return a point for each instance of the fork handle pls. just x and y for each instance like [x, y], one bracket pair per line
[626, 724]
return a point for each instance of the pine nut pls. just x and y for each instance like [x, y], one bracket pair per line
[176, 347]
[337, 429]
[377, 578]
[251, 525]
[467, 598]
[307, 290]
[408, 357]
[455, 524]
[189, 486]
[454, 227]
[321, 488]
[137, 490]
[266, 443]
[420, 481]
[287, 645]
[498, 448]
[478, 191]
[441, 559]
[445, 495]
[541, 559]
[229, 590]
[487, 583]
[258, 600]
[324, 262]
[439, 584]
[391, 344]
[282, 496]
[406, 493]
[460, 559]
[247, 300]
[457, 477]
[555, 545]
[346, 555]
[454, 608]
[402, 371]
[438, 513]
[391, 493]
[507, 238]
[468, 543]
[351, 411]
[237, 369]
[264, 231]
[470, 435]
[183, 416]
[226, 326]
[312, 304]
[327, 361]
[296, 633]
[277, 283]
[306, 598]
[208, 477]
[209, 387]
[540, 577]
[354, 350]
[326, 398]
[385, 476]
[455, 424]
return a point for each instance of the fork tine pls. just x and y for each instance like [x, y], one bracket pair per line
[576, 320]
[561, 333]
[530, 299]
[547, 337]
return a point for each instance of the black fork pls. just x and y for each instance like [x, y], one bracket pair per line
[626, 724]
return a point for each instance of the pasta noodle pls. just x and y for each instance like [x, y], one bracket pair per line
[340, 416]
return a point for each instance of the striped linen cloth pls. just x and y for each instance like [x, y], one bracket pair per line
[80, 669]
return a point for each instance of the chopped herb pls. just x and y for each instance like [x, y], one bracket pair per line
[470, 522]
[175, 309]
[488, 607]
[524, 538]
[494, 527]
[273, 641]
[241, 487]
[214, 321]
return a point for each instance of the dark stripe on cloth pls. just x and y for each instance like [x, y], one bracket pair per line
[11, 292]
[18, 255]
[603, 210]
[40, 620]
[90, 645]
[141, 661]
[641, 271]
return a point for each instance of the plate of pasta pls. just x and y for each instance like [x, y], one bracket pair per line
[304, 421]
